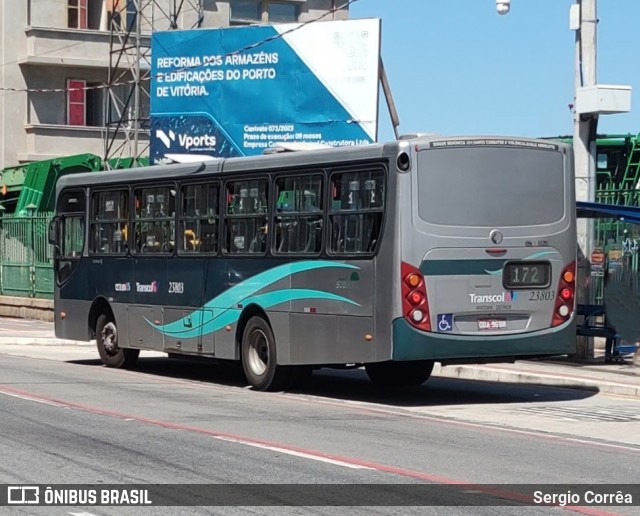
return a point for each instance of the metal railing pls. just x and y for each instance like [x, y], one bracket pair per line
[26, 257]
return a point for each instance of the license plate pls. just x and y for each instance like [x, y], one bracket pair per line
[492, 324]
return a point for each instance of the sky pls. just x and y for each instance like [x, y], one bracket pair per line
[457, 67]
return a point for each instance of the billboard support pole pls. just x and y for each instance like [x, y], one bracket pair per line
[393, 113]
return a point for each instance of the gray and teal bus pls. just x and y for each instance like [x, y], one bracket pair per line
[388, 256]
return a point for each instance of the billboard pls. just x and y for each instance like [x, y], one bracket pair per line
[238, 91]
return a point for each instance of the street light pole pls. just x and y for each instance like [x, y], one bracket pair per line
[590, 101]
[584, 125]
[584, 136]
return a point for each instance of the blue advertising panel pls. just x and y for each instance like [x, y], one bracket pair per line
[238, 91]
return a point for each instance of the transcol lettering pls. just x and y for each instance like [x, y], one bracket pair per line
[505, 297]
[149, 288]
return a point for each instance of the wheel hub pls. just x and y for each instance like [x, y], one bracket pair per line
[258, 352]
[109, 337]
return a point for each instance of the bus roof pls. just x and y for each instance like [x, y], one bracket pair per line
[263, 162]
[271, 162]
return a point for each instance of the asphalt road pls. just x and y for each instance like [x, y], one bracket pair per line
[179, 422]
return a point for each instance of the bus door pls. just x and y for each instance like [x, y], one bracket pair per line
[67, 234]
[188, 318]
[153, 242]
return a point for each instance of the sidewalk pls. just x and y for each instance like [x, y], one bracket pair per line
[32, 332]
[594, 374]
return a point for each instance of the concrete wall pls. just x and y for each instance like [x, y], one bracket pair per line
[49, 107]
[312, 9]
[27, 308]
[51, 141]
[49, 47]
[47, 13]
[217, 13]
[13, 106]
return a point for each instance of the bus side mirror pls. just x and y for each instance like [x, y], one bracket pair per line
[54, 232]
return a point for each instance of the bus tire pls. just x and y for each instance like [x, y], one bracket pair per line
[396, 374]
[107, 341]
[259, 357]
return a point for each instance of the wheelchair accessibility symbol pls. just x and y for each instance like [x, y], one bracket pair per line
[445, 322]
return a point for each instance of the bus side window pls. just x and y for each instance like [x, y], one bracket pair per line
[246, 227]
[155, 219]
[198, 227]
[298, 214]
[73, 237]
[356, 211]
[109, 219]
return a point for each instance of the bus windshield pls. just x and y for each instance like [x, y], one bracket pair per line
[497, 187]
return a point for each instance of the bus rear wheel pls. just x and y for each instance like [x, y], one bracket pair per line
[398, 374]
[107, 340]
[259, 358]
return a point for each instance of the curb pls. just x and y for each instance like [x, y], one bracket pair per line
[503, 376]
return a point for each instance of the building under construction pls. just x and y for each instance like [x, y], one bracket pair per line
[74, 73]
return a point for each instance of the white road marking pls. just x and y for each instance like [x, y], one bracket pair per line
[37, 400]
[277, 449]
[300, 454]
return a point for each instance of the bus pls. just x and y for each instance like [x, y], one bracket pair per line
[390, 256]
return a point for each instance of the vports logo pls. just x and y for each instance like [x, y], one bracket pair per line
[505, 297]
[202, 142]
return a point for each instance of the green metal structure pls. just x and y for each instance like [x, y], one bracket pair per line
[26, 258]
[122, 163]
[617, 183]
[38, 191]
[617, 177]
[26, 207]
[30, 188]
[617, 168]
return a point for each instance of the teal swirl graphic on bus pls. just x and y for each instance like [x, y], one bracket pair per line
[223, 309]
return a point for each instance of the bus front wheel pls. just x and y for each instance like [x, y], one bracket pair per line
[107, 340]
[259, 359]
[400, 373]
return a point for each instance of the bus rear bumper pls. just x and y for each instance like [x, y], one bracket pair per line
[412, 344]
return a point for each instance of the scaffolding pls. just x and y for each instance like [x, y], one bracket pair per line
[131, 24]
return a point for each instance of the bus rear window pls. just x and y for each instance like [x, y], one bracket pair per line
[495, 187]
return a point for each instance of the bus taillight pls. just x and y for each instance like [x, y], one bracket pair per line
[565, 295]
[416, 298]
[415, 305]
